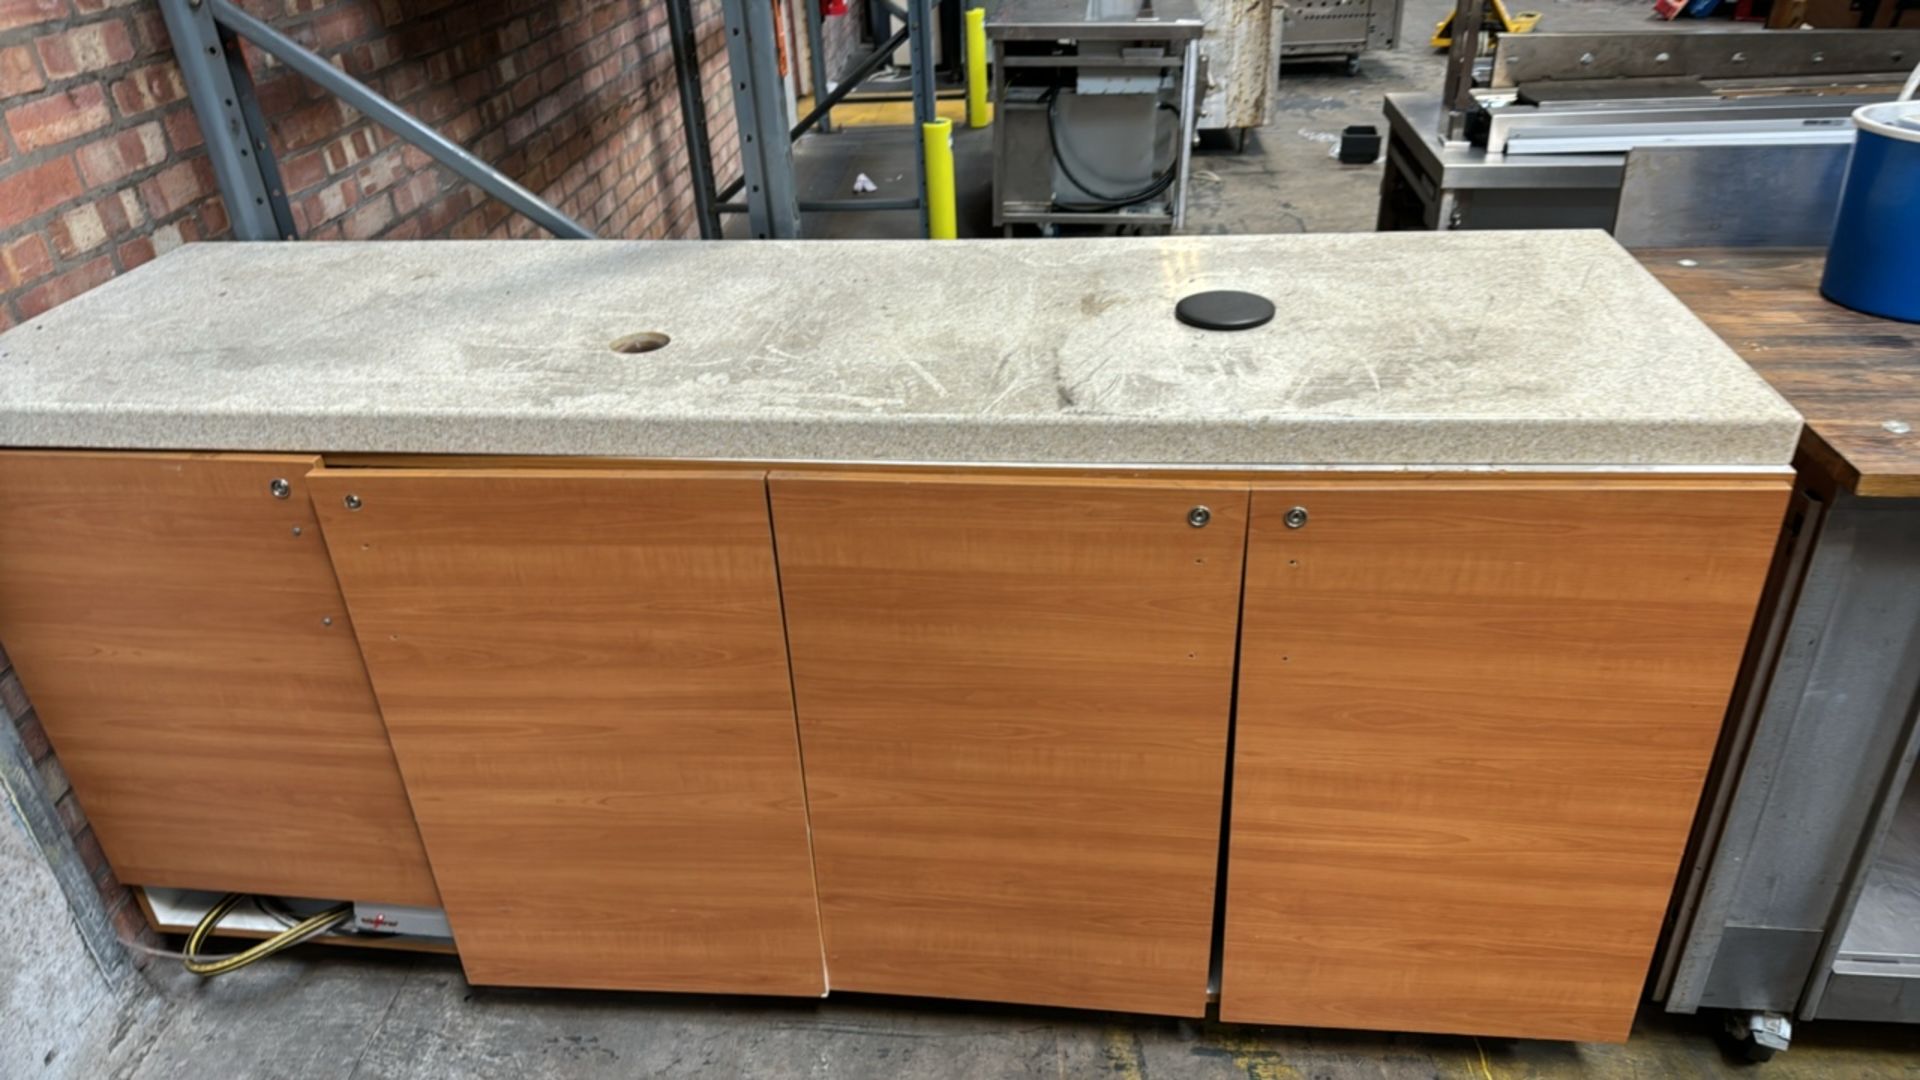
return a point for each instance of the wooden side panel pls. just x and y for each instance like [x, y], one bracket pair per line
[1013, 701]
[169, 616]
[585, 679]
[1473, 725]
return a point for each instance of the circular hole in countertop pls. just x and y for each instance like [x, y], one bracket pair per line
[645, 341]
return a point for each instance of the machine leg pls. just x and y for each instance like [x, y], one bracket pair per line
[920, 30]
[759, 106]
[817, 56]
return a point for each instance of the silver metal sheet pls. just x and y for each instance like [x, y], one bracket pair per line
[1721, 55]
[1415, 121]
[1835, 730]
[1886, 919]
[1758, 115]
[1887, 993]
[1762, 968]
[1623, 141]
[1799, 532]
[1110, 141]
[1340, 27]
[1730, 196]
[1093, 20]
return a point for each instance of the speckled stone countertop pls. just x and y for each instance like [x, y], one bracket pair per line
[1459, 349]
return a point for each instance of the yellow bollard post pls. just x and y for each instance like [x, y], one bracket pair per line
[937, 152]
[979, 112]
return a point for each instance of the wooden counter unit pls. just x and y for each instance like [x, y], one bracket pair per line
[832, 646]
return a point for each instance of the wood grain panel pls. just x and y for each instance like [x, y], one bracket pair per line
[1849, 374]
[1473, 724]
[1014, 700]
[585, 678]
[168, 617]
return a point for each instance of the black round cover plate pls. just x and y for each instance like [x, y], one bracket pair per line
[1224, 309]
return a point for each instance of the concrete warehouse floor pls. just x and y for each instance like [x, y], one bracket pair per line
[325, 1013]
[337, 1014]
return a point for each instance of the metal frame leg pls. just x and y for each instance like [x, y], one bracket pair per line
[759, 106]
[1189, 126]
[951, 17]
[222, 96]
[1827, 751]
[998, 74]
[925, 88]
[858, 75]
[879, 22]
[1469, 16]
[817, 53]
[693, 115]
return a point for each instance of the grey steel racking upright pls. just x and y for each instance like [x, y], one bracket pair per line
[206, 39]
[772, 204]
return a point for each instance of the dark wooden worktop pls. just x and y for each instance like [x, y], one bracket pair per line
[1856, 378]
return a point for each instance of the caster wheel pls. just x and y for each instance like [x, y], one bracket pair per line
[1753, 1038]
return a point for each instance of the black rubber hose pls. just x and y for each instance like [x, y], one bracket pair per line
[1104, 201]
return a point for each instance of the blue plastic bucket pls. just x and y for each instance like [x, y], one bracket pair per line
[1873, 264]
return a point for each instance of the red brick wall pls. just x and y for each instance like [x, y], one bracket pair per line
[101, 164]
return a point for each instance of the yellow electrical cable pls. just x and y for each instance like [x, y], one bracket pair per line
[219, 965]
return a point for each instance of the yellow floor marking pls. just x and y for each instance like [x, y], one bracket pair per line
[1122, 1061]
[1259, 1060]
[886, 113]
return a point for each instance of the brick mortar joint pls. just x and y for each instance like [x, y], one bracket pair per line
[632, 40]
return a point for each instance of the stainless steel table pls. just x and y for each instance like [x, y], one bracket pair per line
[1667, 138]
[1800, 900]
[1088, 49]
[1434, 183]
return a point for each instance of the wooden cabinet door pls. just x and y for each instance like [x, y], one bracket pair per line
[585, 679]
[1013, 699]
[179, 630]
[1473, 724]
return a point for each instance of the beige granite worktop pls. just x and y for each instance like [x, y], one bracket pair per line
[1457, 349]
